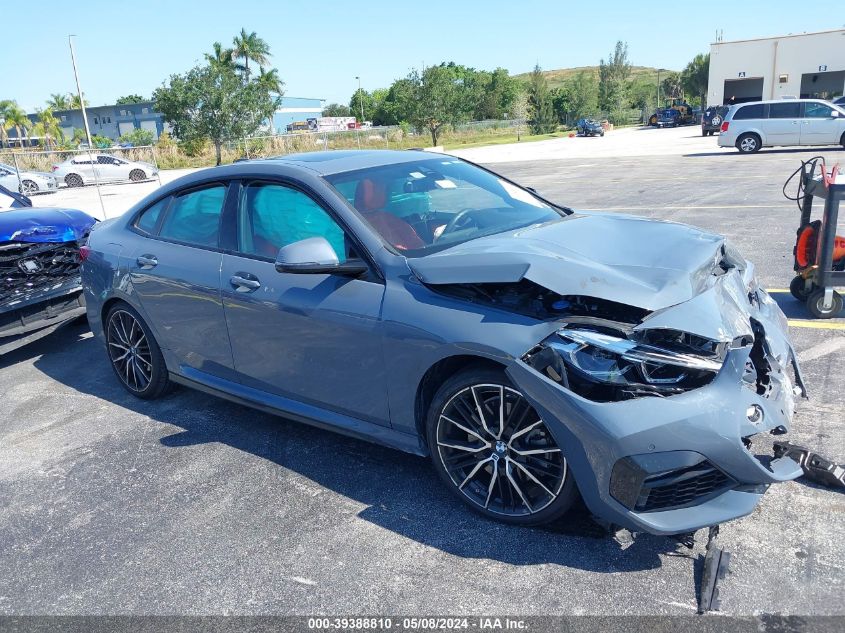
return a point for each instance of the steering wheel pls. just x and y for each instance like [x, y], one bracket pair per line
[460, 221]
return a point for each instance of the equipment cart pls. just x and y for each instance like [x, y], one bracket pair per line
[819, 252]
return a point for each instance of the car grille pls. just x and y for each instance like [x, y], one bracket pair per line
[682, 488]
[25, 267]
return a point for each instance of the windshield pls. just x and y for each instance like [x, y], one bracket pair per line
[431, 204]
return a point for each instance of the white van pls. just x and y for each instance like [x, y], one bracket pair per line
[750, 126]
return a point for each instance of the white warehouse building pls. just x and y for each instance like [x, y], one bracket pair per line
[807, 65]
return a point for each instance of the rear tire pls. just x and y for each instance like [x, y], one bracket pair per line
[136, 175]
[134, 354]
[815, 304]
[493, 451]
[73, 180]
[748, 143]
[842, 141]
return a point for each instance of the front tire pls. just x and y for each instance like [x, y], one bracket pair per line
[815, 304]
[73, 180]
[134, 354]
[494, 452]
[748, 143]
[137, 175]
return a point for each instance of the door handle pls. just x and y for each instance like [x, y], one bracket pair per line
[243, 282]
[147, 261]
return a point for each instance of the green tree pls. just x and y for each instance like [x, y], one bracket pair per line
[47, 128]
[214, 103]
[437, 100]
[74, 102]
[219, 56]
[270, 79]
[397, 105]
[370, 105]
[248, 46]
[16, 119]
[695, 76]
[58, 101]
[671, 85]
[337, 109]
[613, 78]
[139, 137]
[543, 118]
[130, 99]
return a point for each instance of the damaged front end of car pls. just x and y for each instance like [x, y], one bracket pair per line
[666, 408]
[40, 285]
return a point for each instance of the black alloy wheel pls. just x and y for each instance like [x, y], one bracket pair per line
[135, 356]
[496, 453]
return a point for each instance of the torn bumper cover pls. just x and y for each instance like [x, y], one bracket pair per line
[656, 418]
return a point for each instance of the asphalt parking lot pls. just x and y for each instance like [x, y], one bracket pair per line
[192, 505]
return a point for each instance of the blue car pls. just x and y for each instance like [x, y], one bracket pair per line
[40, 257]
[419, 301]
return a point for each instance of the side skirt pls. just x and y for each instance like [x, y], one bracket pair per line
[304, 413]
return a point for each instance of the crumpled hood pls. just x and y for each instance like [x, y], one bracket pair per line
[645, 263]
[44, 225]
[667, 268]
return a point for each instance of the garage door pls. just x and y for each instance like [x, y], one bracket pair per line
[125, 127]
[743, 90]
[151, 126]
[822, 85]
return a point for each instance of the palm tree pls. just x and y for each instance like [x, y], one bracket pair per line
[16, 118]
[74, 102]
[251, 47]
[5, 106]
[271, 80]
[221, 57]
[47, 127]
[58, 101]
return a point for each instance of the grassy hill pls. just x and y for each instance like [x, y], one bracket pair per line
[556, 78]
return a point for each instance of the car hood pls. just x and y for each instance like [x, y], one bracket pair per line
[44, 225]
[666, 268]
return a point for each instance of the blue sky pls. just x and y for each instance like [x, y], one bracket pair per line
[319, 47]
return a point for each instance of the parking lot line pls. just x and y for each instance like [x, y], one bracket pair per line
[816, 325]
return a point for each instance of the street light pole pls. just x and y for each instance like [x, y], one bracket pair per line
[360, 99]
[79, 91]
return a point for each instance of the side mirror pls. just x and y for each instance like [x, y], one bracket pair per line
[315, 256]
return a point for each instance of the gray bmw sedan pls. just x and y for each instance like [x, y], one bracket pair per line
[416, 300]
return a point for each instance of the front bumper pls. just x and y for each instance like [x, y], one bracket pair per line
[40, 314]
[675, 464]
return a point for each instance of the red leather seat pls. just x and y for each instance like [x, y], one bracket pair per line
[370, 198]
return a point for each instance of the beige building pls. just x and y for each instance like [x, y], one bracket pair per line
[791, 66]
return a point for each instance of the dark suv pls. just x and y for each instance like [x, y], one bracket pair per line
[711, 120]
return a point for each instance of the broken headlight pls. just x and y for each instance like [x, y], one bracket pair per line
[607, 365]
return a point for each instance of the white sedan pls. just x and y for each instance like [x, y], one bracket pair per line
[88, 168]
[26, 182]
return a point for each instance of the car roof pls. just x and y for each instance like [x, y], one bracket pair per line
[326, 163]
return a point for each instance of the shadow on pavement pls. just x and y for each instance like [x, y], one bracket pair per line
[402, 492]
[794, 309]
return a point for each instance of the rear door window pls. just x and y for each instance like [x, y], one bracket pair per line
[755, 111]
[194, 217]
[786, 110]
[148, 220]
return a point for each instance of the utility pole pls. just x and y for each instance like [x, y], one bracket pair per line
[360, 99]
[94, 168]
[79, 91]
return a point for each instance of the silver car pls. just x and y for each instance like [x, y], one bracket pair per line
[26, 182]
[750, 126]
[86, 169]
